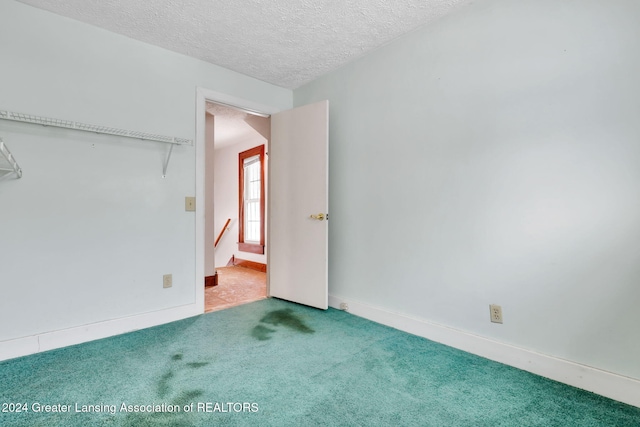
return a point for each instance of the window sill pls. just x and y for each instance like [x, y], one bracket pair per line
[254, 248]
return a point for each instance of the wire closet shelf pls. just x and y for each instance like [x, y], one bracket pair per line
[7, 163]
[68, 124]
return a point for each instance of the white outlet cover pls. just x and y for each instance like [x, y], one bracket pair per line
[495, 313]
[167, 281]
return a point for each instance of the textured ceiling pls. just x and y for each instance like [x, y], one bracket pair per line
[284, 42]
[231, 125]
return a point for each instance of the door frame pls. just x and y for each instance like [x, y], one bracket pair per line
[202, 96]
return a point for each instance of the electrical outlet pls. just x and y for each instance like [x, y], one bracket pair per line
[496, 313]
[344, 306]
[167, 281]
[190, 204]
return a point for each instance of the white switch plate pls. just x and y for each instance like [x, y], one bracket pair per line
[190, 204]
[167, 281]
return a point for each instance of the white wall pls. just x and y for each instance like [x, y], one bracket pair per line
[92, 226]
[494, 158]
[226, 199]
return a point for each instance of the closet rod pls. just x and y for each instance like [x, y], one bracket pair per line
[68, 124]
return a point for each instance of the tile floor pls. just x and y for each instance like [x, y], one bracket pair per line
[236, 285]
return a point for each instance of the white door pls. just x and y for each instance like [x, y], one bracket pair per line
[298, 200]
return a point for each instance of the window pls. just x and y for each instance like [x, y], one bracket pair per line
[251, 208]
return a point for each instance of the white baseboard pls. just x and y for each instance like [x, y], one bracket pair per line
[613, 386]
[56, 339]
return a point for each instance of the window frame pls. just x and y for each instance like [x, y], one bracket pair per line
[256, 248]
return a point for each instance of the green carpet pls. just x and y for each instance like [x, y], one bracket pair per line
[272, 363]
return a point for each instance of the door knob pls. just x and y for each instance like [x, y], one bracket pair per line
[319, 217]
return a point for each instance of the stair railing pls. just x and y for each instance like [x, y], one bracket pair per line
[225, 228]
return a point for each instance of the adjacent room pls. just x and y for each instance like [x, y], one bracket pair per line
[443, 197]
[237, 261]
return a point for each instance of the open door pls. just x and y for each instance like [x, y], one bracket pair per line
[298, 205]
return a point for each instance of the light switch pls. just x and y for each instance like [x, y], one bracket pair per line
[190, 204]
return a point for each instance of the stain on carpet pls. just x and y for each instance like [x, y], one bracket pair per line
[187, 396]
[286, 317]
[262, 333]
[196, 365]
[164, 386]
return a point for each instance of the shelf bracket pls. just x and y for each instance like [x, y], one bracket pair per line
[166, 162]
[7, 163]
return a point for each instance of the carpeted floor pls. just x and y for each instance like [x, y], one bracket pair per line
[273, 363]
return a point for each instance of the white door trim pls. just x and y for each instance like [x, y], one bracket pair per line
[202, 96]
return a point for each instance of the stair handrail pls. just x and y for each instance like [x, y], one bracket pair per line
[225, 228]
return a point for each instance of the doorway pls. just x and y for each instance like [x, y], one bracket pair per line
[235, 229]
[298, 186]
